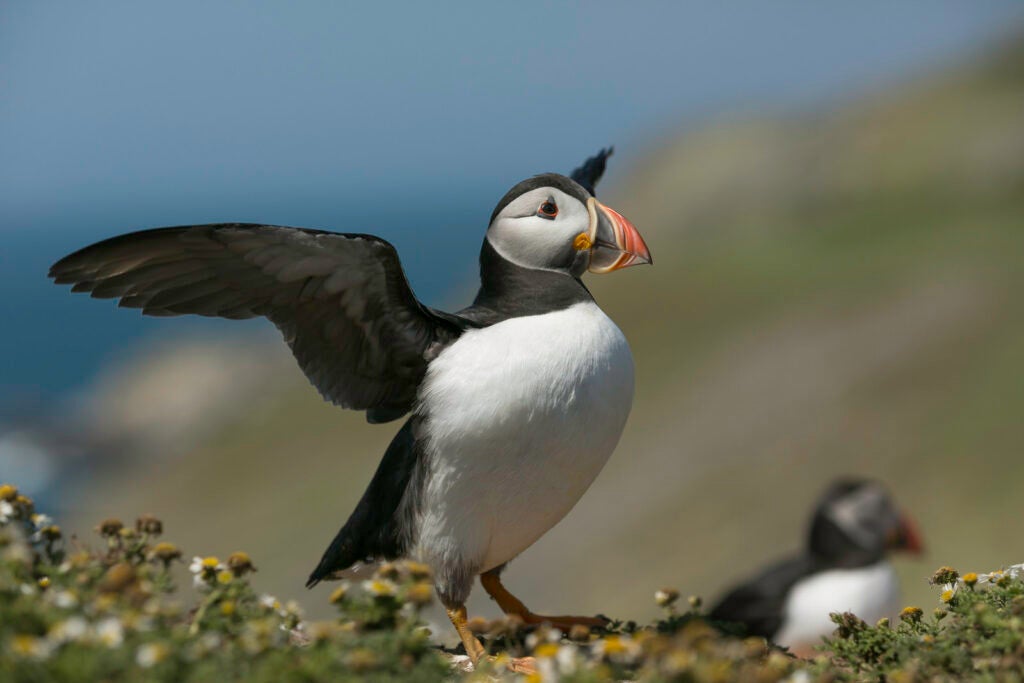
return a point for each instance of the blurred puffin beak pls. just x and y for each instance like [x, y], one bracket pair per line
[615, 242]
[907, 537]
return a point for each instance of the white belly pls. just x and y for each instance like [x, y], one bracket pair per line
[869, 592]
[520, 418]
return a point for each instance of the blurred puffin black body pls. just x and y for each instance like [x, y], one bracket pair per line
[514, 402]
[843, 568]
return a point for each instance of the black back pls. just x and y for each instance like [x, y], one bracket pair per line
[758, 604]
[849, 529]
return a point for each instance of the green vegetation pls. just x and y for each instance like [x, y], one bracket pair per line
[115, 613]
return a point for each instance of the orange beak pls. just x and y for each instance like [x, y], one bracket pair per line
[616, 242]
[908, 537]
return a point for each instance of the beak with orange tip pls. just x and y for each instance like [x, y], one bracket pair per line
[615, 242]
[907, 537]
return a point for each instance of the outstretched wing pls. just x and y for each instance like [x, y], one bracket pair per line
[591, 170]
[341, 301]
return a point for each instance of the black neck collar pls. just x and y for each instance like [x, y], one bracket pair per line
[511, 291]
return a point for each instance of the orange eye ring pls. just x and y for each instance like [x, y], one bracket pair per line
[548, 209]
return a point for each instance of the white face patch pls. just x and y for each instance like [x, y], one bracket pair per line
[530, 240]
[859, 513]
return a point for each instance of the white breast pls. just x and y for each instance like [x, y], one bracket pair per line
[520, 418]
[869, 592]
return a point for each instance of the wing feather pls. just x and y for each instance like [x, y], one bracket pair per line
[341, 301]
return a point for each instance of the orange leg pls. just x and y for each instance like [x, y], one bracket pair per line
[476, 651]
[510, 604]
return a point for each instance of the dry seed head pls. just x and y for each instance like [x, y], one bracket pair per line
[388, 570]
[110, 527]
[666, 596]
[579, 633]
[148, 524]
[240, 564]
[117, 578]
[944, 575]
[26, 504]
[911, 614]
[478, 625]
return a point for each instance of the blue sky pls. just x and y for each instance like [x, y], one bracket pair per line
[406, 120]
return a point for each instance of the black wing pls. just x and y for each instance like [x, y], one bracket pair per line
[341, 301]
[591, 170]
[758, 604]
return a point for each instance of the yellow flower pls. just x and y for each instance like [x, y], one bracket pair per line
[210, 562]
[970, 578]
[546, 650]
[947, 596]
[30, 646]
[224, 577]
[419, 593]
[380, 587]
[338, 595]
[9, 492]
[165, 552]
[418, 570]
[227, 608]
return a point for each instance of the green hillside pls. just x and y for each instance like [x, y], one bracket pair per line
[836, 292]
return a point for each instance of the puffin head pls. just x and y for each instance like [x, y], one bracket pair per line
[550, 222]
[856, 523]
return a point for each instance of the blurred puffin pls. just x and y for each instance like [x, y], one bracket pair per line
[515, 402]
[843, 569]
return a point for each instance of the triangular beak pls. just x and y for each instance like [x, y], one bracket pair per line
[616, 242]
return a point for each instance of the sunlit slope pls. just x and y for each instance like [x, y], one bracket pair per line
[839, 292]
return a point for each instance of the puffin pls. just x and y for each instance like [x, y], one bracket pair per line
[512, 405]
[843, 568]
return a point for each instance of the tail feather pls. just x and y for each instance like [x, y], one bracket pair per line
[376, 528]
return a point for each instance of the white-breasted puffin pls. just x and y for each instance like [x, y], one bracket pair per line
[844, 568]
[515, 403]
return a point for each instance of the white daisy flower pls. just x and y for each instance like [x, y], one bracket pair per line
[380, 587]
[6, 512]
[40, 520]
[110, 632]
[151, 653]
[65, 599]
[69, 630]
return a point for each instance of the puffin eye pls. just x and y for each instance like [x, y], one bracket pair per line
[548, 209]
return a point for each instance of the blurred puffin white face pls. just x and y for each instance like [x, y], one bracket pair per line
[538, 230]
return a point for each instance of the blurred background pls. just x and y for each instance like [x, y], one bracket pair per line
[834, 197]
